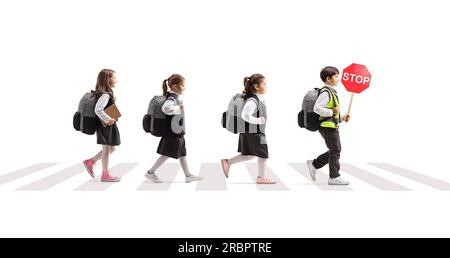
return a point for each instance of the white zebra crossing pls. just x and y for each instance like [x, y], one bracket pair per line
[290, 177]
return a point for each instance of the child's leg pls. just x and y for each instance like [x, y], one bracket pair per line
[97, 156]
[322, 160]
[188, 176]
[106, 149]
[262, 179]
[334, 144]
[184, 166]
[331, 157]
[158, 164]
[240, 158]
[262, 167]
[226, 163]
[106, 176]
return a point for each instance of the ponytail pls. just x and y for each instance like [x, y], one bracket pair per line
[165, 87]
[174, 79]
[246, 91]
[250, 84]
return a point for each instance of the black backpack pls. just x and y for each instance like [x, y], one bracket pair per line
[156, 122]
[231, 119]
[307, 118]
[85, 120]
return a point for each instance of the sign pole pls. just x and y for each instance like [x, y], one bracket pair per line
[350, 106]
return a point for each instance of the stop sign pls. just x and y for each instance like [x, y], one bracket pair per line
[356, 78]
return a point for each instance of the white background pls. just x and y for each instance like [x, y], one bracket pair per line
[52, 51]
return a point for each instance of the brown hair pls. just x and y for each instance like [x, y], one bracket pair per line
[251, 82]
[174, 79]
[327, 72]
[103, 83]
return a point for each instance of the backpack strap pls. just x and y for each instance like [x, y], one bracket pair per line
[255, 97]
[329, 91]
[170, 95]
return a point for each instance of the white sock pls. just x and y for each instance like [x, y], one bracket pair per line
[262, 167]
[240, 158]
[184, 166]
[158, 164]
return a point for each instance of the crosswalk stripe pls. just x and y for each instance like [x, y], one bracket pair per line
[166, 173]
[52, 180]
[119, 170]
[423, 179]
[380, 175]
[11, 176]
[372, 179]
[302, 168]
[252, 168]
[213, 178]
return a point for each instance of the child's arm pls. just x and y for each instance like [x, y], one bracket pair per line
[100, 107]
[169, 107]
[320, 106]
[247, 113]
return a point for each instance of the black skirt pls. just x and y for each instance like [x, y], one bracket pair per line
[172, 146]
[108, 135]
[253, 144]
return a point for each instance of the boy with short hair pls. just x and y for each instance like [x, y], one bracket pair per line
[327, 107]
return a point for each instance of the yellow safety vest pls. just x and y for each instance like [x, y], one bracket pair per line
[330, 122]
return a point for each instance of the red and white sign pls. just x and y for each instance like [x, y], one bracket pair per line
[356, 78]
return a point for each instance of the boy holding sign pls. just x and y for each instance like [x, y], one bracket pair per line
[327, 107]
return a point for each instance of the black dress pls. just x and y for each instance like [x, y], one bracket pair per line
[255, 144]
[108, 135]
[173, 144]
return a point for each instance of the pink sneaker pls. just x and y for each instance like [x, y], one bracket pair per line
[265, 181]
[225, 167]
[106, 177]
[89, 166]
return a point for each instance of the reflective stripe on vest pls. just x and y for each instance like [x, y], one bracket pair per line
[330, 122]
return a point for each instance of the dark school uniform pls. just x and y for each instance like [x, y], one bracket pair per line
[173, 144]
[108, 135]
[253, 142]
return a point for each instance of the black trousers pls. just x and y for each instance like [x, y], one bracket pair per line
[331, 157]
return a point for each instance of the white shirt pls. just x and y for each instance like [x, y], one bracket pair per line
[321, 102]
[170, 108]
[250, 108]
[100, 107]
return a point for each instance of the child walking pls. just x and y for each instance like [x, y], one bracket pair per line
[108, 136]
[173, 144]
[253, 144]
[327, 107]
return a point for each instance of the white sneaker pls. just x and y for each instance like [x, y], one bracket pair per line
[154, 178]
[312, 170]
[192, 178]
[338, 181]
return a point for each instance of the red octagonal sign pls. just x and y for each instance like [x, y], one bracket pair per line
[356, 78]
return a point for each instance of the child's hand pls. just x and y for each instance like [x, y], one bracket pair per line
[112, 121]
[346, 118]
[336, 110]
[263, 120]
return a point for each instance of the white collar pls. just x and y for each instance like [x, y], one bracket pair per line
[260, 97]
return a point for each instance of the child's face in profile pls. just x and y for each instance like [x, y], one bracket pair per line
[179, 88]
[261, 88]
[333, 80]
[113, 80]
